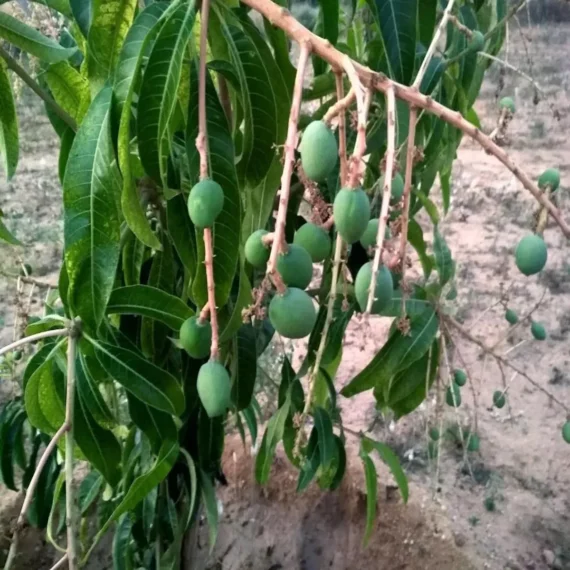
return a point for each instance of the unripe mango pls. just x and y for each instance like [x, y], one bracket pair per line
[196, 337]
[256, 252]
[295, 266]
[315, 240]
[214, 388]
[384, 287]
[531, 254]
[351, 213]
[292, 314]
[319, 151]
[205, 203]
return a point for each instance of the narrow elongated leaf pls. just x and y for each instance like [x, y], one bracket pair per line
[6, 236]
[416, 239]
[35, 391]
[69, 88]
[46, 352]
[251, 421]
[398, 353]
[327, 27]
[341, 468]
[149, 383]
[245, 370]
[222, 170]
[392, 461]
[122, 544]
[311, 464]
[211, 504]
[443, 260]
[210, 441]
[111, 19]
[149, 302]
[11, 426]
[81, 11]
[371, 495]
[91, 190]
[398, 20]
[231, 315]
[132, 259]
[159, 89]
[89, 374]
[182, 232]
[327, 445]
[28, 39]
[89, 491]
[9, 139]
[426, 21]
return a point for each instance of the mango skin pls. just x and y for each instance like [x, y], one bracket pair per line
[531, 254]
[214, 388]
[549, 178]
[566, 432]
[319, 151]
[205, 203]
[477, 42]
[499, 399]
[384, 287]
[196, 337]
[507, 103]
[292, 314]
[453, 396]
[256, 252]
[351, 212]
[459, 377]
[511, 316]
[315, 240]
[538, 331]
[397, 190]
[295, 266]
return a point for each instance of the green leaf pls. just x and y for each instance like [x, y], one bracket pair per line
[210, 441]
[99, 445]
[144, 484]
[398, 353]
[149, 383]
[444, 179]
[251, 421]
[11, 427]
[30, 40]
[46, 352]
[416, 239]
[397, 20]
[443, 260]
[122, 543]
[327, 445]
[182, 233]
[371, 495]
[426, 21]
[9, 139]
[91, 190]
[132, 259]
[327, 27]
[391, 460]
[89, 375]
[89, 491]
[230, 317]
[272, 436]
[81, 11]
[211, 504]
[110, 22]
[428, 205]
[473, 118]
[245, 367]
[135, 47]
[66, 142]
[311, 464]
[222, 170]
[6, 236]
[341, 467]
[158, 92]
[149, 302]
[69, 88]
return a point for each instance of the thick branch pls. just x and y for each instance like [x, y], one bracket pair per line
[279, 244]
[33, 338]
[388, 175]
[281, 18]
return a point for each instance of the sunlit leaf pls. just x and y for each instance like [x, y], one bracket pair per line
[9, 140]
[69, 88]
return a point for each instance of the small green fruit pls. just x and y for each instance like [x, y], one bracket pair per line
[477, 42]
[351, 213]
[459, 377]
[397, 187]
[434, 433]
[214, 388]
[256, 252]
[490, 504]
[196, 337]
[315, 240]
[531, 254]
[368, 238]
[18, 355]
[292, 314]
[511, 316]
[384, 288]
[507, 103]
[499, 399]
[26, 270]
[538, 331]
[205, 203]
[473, 442]
[453, 396]
[295, 266]
[566, 432]
[550, 178]
[319, 151]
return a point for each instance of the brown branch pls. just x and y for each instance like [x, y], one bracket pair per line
[406, 207]
[279, 244]
[340, 106]
[341, 131]
[388, 175]
[499, 358]
[282, 18]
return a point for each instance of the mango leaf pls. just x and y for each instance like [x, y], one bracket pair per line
[245, 367]
[230, 316]
[146, 381]
[69, 88]
[132, 259]
[9, 140]
[89, 491]
[210, 441]
[6, 236]
[211, 504]
[39, 386]
[149, 302]
[46, 352]
[182, 232]
[251, 421]
[371, 495]
[391, 460]
[397, 20]
[158, 91]
[327, 445]
[443, 261]
[272, 436]
[426, 21]
[28, 39]
[327, 27]
[99, 445]
[398, 353]
[91, 190]
[311, 464]
[81, 11]
[428, 205]
[143, 484]
[416, 303]
[89, 374]
[122, 550]
[13, 418]
[222, 170]
[135, 47]
[416, 239]
[341, 467]
[110, 21]
[444, 179]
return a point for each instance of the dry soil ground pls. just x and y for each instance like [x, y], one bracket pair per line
[523, 468]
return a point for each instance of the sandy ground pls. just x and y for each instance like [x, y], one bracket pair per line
[523, 468]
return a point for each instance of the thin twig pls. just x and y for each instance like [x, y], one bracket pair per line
[340, 106]
[388, 175]
[289, 163]
[433, 45]
[60, 563]
[33, 85]
[341, 131]
[321, 47]
[33, 338]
